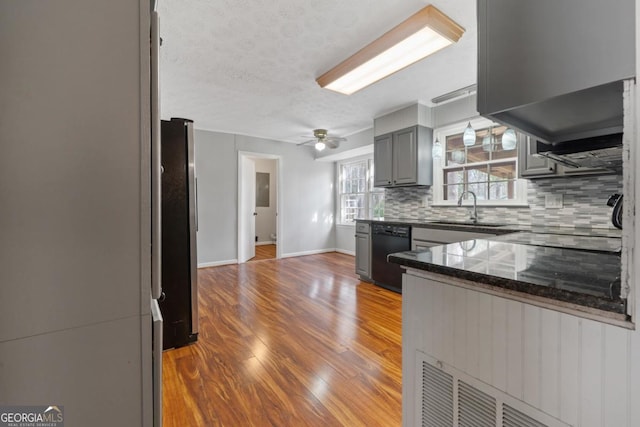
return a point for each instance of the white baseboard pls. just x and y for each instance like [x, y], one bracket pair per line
[217, 263]
[290, 255]
[342, 251]
[303, 253]
[265, 243]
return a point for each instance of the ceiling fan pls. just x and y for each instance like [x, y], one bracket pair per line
[321, 140]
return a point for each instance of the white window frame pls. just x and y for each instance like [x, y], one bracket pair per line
[438, 177]
[368, 190]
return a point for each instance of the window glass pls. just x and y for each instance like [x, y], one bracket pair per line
[485, 168]
[358, 199]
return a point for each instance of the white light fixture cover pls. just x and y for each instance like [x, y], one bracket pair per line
[509, 139]
[488, 142]
[469, 136]
[421, 35]
[320, 145]
[436, 150]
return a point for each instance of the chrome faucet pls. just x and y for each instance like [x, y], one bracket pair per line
[474, 212]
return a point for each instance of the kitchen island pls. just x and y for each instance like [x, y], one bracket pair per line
[517, 326]
[571, 279]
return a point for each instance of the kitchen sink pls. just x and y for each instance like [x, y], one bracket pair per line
[466, 223]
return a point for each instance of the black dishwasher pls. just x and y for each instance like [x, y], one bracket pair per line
[387, 239]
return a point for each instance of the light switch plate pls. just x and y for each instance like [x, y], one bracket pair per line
[553, 201]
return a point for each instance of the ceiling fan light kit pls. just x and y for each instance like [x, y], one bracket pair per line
[419, 36]
[322, 140]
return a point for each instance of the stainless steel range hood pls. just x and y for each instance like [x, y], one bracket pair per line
[587, 113]
[602, 152]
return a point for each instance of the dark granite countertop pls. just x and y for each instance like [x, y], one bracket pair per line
[578, 277]
[499, 229]
[564, 241]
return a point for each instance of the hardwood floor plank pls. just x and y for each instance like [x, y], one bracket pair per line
[264, 252]
[290, 342]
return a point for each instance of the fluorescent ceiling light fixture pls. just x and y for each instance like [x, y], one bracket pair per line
[422, 34]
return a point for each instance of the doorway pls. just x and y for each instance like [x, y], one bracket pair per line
[259, 200]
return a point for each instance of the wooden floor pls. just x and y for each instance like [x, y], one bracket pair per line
[264, 252]
[290, 342]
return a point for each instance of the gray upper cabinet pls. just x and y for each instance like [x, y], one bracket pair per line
[403, 158]
[405, 154]
[383, 160]
[530, 165]
[554, 69]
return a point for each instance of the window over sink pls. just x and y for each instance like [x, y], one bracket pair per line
[487, 168]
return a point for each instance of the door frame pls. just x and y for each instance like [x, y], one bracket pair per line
[279, 223]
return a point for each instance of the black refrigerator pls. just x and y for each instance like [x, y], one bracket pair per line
[179, 302]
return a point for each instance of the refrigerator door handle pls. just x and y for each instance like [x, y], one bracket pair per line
[196, 200]
[156, 166]
[193, 221]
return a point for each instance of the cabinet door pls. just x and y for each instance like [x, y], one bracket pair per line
[531, 166]
[405, 156]
[383, 160]
[363, 255]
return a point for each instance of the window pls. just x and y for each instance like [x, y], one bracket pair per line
[357, 198]
[486, 168]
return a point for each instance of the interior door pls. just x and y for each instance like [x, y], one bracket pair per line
[247, 224]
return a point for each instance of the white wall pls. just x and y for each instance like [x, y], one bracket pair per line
[307, 196]
[345, 239]
[74, 257]
[266, 219]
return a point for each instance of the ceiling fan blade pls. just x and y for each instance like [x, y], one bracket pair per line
[332, 143]
[307, 142]
[335, 138]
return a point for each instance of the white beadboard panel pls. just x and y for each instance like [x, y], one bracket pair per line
[485, 338]
[615, 369]
[550, 362]
[577, 370]
[438, 321]
[473, 339]
[633, 381]
[515, 349]
[411, 333]
[570, 366]
[591, 375]
[532, 352]
[459, 329]
[448, 316]
[499, 343]
[427, 304]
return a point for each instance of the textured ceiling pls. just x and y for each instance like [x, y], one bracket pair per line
[249, 66]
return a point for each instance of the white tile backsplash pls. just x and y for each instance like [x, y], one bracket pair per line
[584, 203]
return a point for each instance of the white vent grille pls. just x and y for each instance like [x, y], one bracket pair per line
[437, 397]
[511, 417]
[475, 408]
[449, 397]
